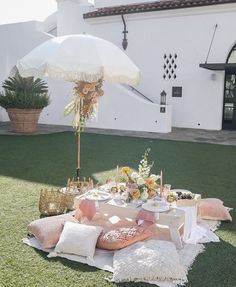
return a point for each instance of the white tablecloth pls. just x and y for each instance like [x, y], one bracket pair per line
[193, 232]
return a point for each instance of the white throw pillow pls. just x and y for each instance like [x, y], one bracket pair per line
[151, 260]
[78, 239]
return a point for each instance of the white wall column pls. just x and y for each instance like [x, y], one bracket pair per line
[70, 16]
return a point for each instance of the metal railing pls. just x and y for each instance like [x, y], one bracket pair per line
[140, 94]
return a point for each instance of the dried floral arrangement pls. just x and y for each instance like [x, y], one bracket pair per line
[85, 102]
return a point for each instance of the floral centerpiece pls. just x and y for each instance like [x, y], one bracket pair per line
[140, 185]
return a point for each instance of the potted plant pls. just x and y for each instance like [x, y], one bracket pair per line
[24, 99]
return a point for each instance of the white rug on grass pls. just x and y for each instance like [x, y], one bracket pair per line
[103, 259]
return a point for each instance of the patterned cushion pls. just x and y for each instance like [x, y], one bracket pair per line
[121, 237]
[152, 260]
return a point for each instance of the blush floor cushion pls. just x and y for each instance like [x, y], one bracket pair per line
[48, 229]
[213, 209]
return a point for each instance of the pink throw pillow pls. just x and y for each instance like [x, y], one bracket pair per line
[121, 237]
[213, 200]
[213, 209]
[48, 229]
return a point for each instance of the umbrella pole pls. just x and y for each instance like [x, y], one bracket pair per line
[78, 155]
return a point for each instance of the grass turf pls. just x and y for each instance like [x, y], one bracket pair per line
[28, 163]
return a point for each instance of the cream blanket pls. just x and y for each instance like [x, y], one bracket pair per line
[111, 217]
[104, 259]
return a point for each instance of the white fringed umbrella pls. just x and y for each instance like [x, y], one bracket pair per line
[85, 60]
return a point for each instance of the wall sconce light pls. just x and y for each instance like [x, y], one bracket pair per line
[213, 77]
[124, 41]
[163, 98]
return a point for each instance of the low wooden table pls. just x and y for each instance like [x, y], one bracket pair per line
[173, 218]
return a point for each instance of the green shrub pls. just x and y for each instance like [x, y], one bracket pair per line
[24, 93]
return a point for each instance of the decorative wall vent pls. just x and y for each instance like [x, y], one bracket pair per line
[170, 66]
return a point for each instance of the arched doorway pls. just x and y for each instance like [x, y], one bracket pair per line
[229, 108]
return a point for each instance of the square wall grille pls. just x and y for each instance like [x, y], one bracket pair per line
[170, 66]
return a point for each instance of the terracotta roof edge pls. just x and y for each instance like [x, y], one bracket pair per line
[152, 6]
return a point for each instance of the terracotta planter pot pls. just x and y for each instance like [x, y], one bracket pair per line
[23, 120]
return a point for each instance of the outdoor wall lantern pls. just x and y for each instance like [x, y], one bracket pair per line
[124, 41]
[163, 98]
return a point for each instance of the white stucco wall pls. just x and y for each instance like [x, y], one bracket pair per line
[117, 103]
[16, 41]
[186, 32]
[60, 95]
[19, 39]
[121, 109]
[70, 17]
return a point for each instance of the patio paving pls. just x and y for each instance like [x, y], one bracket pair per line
[222, 137]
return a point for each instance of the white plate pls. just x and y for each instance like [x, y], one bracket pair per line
[155, 206]
[98, 195]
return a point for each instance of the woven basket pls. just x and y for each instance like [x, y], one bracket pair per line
[68, 196]
[73, 189]
[51, 202]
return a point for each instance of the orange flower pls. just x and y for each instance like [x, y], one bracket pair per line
[152, 193]
[100, 92]
[150, 182]
[90, 87]
[85, 91]
[94, 95]
[135, 193]
[125, 169]
[82, 95]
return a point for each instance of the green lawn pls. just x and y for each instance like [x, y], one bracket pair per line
[28, 163]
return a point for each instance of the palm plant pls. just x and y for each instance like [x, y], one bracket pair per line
[24, 93]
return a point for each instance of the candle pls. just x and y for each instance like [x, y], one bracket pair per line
[117, 173]
[52, 208]
[161, 184]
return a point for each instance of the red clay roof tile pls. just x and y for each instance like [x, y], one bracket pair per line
[153, 6]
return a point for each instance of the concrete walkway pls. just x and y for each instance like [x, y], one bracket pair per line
[179, 134]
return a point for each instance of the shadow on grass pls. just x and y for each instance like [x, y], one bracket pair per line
[229, 225]
[211, 267]
[208, 270]
[77, 266]
[86, 268]
[51, 159]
